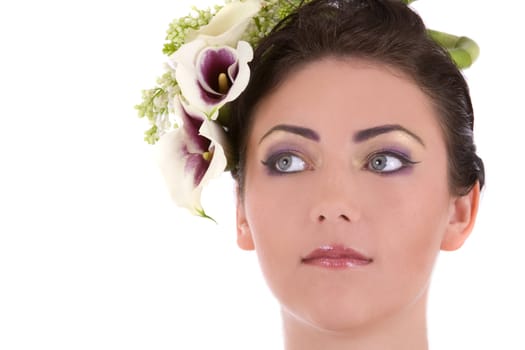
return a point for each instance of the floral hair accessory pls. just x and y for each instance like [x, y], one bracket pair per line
[208, 66]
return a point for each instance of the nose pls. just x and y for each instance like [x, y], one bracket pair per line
[335, 201]
[329, 209]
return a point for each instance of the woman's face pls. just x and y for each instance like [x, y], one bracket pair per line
[346, 154]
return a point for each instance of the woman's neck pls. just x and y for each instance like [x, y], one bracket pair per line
[404, 330]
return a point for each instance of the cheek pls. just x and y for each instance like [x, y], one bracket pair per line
[275, 213]
[275, 244]
[410, 221]
[413, 237]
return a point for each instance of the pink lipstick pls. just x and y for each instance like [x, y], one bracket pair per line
[336, 257]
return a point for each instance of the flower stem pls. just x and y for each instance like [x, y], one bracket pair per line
[204, 215]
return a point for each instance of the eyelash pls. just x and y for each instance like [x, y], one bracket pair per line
[271, 162]
[405, 161]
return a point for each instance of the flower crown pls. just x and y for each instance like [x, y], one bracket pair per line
[209, 52]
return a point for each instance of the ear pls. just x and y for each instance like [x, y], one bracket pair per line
[244, 234]
[463, 212]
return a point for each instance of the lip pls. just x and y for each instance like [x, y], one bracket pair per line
[336, 257]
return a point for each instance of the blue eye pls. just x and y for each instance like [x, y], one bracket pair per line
[387, 162]
[285, 163]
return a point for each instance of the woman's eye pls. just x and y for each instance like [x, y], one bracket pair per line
[387, 162]
[285, 163]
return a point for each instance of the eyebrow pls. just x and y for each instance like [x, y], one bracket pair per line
[366, 134]
[359, 136]
[298, 130]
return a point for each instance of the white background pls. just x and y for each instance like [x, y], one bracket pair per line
[94, 255]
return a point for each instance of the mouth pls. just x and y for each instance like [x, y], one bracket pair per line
[336, 257]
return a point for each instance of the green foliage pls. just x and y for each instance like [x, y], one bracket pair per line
[148, 108]
[155, 104]
[180, 27]
[150, 135]
[271, 13]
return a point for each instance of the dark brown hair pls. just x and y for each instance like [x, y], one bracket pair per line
[385, 31]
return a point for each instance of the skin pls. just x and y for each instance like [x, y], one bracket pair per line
[401, 220]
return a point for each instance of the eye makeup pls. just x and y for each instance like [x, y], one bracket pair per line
[400, 155]
[290, 158]
[379, 157]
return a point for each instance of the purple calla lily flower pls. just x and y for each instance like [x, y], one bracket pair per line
[211, 76]
[190, 156]
[213, 63]
[211, 69]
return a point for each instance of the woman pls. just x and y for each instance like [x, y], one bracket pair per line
[353, 154]
[356, 165]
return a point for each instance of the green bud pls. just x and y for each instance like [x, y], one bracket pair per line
[470, 46]
[461, 58]
[463, 50]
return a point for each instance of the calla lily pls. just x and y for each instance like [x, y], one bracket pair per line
[190, 156]
[228, 24]
[210, 77]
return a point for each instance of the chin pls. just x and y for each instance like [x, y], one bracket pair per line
[346, 313]
[335, 315]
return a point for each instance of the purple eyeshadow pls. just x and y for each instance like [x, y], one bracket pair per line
[273, 154]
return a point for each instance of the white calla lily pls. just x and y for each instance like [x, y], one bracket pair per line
[199, 69]
[190, 156]
[210, 69]
[229, 23]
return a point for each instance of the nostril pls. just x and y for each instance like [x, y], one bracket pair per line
[322, 218]
[344, 217]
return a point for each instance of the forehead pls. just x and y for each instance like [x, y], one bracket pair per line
[350, 94]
